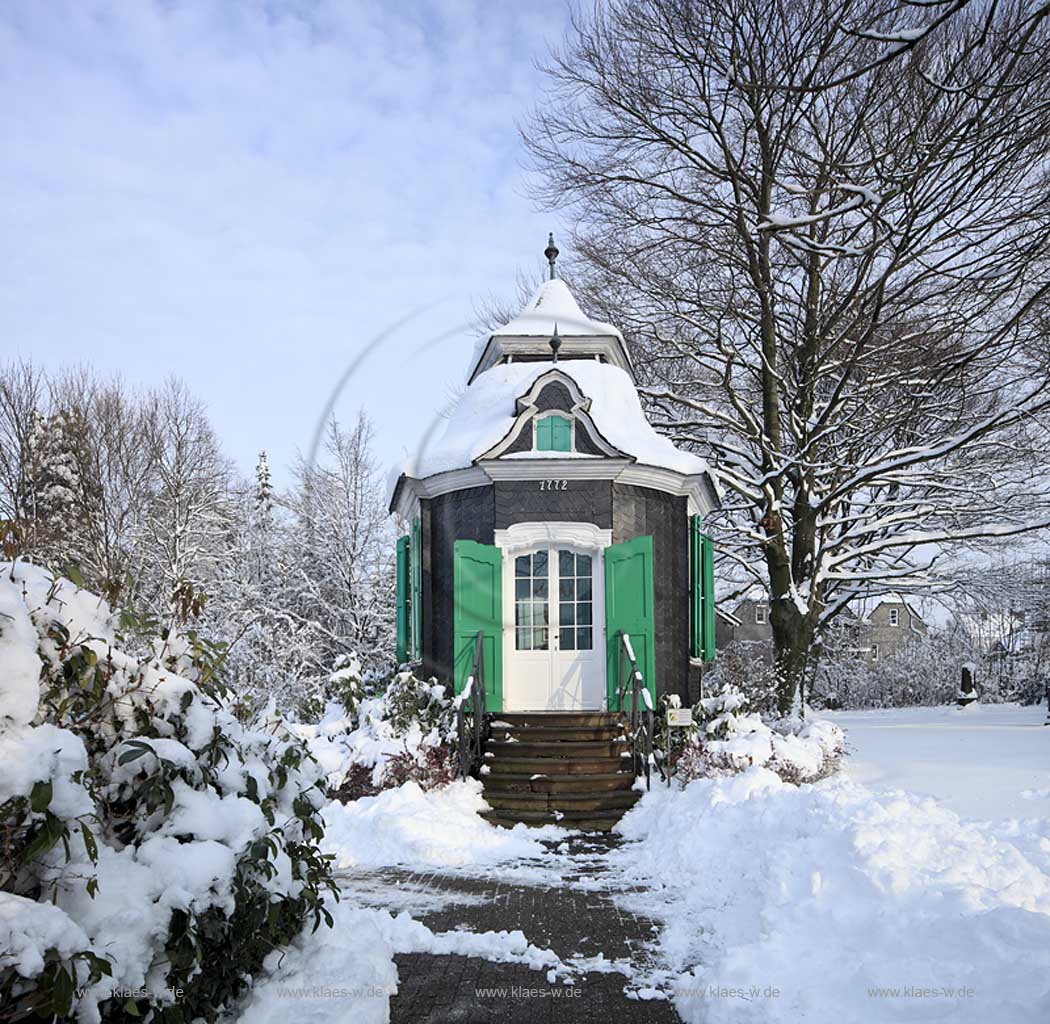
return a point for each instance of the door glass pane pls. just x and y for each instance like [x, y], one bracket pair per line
[531, 607]
[575, 607]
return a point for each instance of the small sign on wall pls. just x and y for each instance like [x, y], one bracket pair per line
[679, 716]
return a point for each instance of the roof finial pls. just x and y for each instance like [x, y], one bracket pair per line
[555, 337]
[551, 252]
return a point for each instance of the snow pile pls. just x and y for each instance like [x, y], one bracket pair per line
[488, 408]
[731, 738]
[784, 903]
[441, 828]
[155, 844]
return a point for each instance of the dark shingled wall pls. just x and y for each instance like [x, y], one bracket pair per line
[638, 511]
[461, 515]
[583, 501]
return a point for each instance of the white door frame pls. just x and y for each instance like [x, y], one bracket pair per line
[582, 537]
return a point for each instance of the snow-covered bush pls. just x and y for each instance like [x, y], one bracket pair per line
[729, 736]
[155, 851]
[405, 732]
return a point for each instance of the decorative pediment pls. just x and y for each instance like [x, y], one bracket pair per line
[553, 396]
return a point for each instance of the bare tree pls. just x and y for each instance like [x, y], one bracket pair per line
[833, 269]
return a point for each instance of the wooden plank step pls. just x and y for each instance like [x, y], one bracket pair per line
[557, 734]
[509, 765]
[595, 821]
[564, 802]
[524, 750]
[575, 782]
[558, 719]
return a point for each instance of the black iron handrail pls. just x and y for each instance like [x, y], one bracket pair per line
[640, 727]
[470, 713]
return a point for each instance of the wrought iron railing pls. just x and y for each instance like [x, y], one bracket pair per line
[471, 721]
[640, 712]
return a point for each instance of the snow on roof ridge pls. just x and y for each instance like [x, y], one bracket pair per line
[553, 303]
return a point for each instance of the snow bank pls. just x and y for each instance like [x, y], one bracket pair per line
[784, 903]
[440, 828]
[487, 410]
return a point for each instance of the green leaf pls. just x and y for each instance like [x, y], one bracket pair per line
[89, 842]
[40, 798]
[131, 1007]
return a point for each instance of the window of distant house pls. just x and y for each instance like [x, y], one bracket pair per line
[760, 614]
[895, 617]
[553, 434]
[874, 652]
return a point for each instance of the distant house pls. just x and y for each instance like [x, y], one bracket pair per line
[882, 633]
[891, 625]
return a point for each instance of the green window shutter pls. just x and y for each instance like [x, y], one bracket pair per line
[707, 569]
[403, 600]
[696, 593]
[553, 434]
[629, 608]
[416, 564]
[477, 583]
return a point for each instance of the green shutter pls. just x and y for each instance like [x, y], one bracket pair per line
[416, 565]
[707, 567]
[553, 434]
[696, 593]
[477, 583]
[402, 600]
[629, 605]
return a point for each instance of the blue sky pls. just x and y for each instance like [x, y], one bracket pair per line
[246, 193]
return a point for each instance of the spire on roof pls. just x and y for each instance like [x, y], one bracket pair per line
[555, 342]
[551, 252]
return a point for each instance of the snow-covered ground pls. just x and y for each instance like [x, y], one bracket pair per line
[912, 886]
[987, 761]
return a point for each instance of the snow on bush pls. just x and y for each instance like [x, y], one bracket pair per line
[787, 903]
[155, 851]
[729, 737]
[369, 743]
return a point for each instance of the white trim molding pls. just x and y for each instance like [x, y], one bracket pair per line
[522, 536]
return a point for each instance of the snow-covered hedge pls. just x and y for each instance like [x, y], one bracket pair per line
[155, 851]
[728, 736]
[369, 743]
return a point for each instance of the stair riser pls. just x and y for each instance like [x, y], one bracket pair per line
[521, 751]
[561, 720]
[556, 766]
[550, 735]
[560, 802]
[603, 822]
[577, 783]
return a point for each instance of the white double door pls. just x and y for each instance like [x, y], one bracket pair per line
[553, 649]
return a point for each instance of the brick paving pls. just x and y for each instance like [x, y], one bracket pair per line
[572, 922]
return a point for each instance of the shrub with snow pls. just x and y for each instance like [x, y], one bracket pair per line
[155, 851]
[404, 733]
[729, 736]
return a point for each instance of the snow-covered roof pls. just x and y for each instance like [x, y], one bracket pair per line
[552, 306]
[487, 411]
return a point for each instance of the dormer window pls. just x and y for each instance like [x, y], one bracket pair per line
[895, 617]
[553, 434]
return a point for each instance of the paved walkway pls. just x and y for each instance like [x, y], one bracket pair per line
[570, 921]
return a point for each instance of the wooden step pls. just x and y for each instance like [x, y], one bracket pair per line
[558, 719]
[585, 821]
[564, 802]
[576, 782]
[557, 734]
[587, 749]
[509, 765]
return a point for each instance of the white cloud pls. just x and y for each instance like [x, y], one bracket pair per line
[245, 193]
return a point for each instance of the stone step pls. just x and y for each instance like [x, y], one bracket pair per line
[564, 802]
[522, 750]
[576, 782]
[557, 734]
[558, 719]
[507, 764]
[585, 821]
